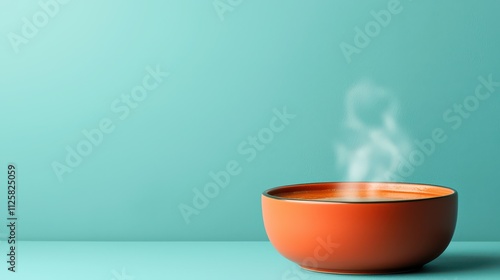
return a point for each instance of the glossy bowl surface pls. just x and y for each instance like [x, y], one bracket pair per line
[360, 227]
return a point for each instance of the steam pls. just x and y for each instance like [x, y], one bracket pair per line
[375, 143]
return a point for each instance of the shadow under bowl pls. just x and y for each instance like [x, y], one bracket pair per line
[360, 227]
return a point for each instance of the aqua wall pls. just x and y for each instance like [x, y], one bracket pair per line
[165, 120]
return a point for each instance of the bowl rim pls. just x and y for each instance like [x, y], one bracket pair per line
[266, 193]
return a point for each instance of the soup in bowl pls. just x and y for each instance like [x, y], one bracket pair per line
[360, 227]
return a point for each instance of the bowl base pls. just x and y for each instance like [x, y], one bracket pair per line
[340, 271]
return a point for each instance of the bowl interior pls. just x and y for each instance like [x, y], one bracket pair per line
[359, 192]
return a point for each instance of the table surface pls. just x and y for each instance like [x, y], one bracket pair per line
[215, 260]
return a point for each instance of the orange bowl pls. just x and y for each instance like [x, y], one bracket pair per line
[360, 227]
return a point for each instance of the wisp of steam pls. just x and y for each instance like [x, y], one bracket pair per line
[374, 143]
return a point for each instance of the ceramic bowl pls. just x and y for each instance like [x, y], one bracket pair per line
[360, 227]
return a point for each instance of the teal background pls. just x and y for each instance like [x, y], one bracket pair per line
[226, 77]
